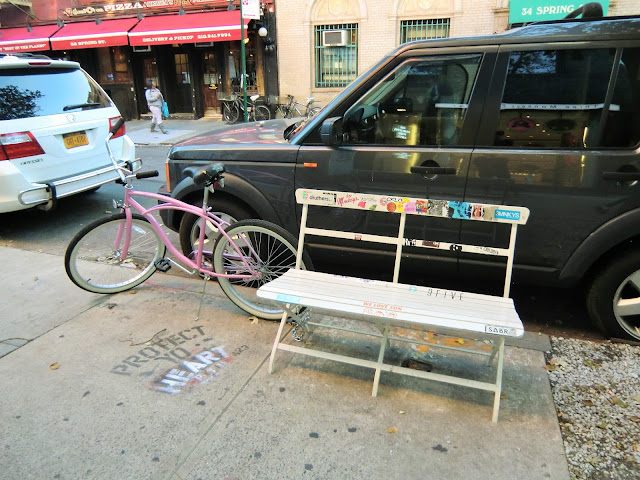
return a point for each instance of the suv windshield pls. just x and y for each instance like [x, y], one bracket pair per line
[27, 92]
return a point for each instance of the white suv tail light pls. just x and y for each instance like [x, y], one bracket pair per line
[121, 131]
[19, 145]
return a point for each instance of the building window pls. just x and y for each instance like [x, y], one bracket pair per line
[336, 54]
[411, 30]
[113, 65]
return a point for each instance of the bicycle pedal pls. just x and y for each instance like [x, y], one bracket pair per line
[163, 265]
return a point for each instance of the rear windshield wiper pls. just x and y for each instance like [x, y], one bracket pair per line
[81, 105]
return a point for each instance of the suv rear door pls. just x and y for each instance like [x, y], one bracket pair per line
[558, 117]
[422, 110]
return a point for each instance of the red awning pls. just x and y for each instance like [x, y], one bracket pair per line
[23, 40]
[189, 28]
[108, 33]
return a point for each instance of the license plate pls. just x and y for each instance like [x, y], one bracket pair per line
[76, 139]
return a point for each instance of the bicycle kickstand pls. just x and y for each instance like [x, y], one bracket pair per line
[204, 286]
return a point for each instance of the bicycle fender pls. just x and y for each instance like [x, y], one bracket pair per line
[616, 231]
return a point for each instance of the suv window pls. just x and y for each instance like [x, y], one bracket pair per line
[29, 92]
[555, 99]
[422, 102]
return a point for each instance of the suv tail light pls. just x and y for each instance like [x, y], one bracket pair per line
[121, 131]
[19, 145]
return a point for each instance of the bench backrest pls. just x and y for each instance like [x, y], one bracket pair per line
[403, 206]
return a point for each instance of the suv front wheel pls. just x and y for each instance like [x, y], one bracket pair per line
[613, 300]
[190, 226]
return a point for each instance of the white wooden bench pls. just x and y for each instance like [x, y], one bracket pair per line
[392, 304]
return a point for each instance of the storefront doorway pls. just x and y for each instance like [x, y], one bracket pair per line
[182, 101]
[211, 82]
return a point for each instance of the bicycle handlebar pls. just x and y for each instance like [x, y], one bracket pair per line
[149, 174]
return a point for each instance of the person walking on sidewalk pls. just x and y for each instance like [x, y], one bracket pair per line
[154, 102]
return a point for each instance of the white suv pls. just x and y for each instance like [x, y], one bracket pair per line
[54, 119]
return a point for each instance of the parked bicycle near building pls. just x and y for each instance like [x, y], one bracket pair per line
[233, 108]
[296, 109]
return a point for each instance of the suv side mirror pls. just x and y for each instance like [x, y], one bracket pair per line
[331, 132]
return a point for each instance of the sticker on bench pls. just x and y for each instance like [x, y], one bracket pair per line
[499, 330]
[507, 214]
[287, 298]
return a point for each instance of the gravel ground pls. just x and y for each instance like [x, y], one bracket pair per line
[596, 389]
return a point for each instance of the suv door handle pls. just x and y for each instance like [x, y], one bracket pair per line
[621, 176]
[434, 170]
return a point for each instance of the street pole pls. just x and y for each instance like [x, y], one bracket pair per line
[243, 59]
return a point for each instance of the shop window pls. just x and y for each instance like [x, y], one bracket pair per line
[150, 71]
[235, 64]
[113, 65]
[182, 69]
[411, 30]
[336, 54]
[557, 99]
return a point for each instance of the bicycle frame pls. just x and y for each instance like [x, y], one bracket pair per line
[169, 203]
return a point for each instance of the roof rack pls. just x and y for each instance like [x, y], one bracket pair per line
[23, 55]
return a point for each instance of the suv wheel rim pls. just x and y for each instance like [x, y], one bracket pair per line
[211, 235]
[626, 304]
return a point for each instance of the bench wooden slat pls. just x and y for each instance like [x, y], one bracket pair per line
[399, 304]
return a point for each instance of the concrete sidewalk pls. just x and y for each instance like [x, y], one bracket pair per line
[130, 386]
[177, 130]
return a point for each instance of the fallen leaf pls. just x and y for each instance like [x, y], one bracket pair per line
[618, 402]
[635, 448]
[591, 364]
[550, 368]
[636, 398]
[588, 403]
[254, 320]
[460, 341]
[132, 292]
[401, 412]
[602, 425]
[503, 396]
[635, 419]
[392, 430]
[54, 366]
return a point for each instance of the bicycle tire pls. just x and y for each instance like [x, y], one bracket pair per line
[261, 113]
[277, 253]
[313, 112]
[231, 112]
[91, 259]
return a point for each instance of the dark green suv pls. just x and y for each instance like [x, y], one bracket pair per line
[546, 116]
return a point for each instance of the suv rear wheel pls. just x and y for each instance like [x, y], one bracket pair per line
[190, 228]
[613, 300]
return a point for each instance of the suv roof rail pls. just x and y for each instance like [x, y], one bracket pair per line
[23, 55]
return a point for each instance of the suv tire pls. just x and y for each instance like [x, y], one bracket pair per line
[617, 281]
[190, 230]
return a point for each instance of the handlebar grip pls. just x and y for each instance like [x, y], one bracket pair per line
[117, 126]
[149, 174]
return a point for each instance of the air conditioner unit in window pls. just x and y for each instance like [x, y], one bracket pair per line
[204, 44]
[334, 38]
[142, 48]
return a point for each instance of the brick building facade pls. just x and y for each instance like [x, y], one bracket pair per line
[310, 65]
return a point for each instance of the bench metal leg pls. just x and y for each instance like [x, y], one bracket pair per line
[278, 340]
[376, 378]
[496, 398]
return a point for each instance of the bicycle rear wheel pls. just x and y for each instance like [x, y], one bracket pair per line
[276, 253]
[93, 258]
[261, 112]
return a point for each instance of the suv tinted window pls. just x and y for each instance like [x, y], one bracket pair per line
[555, 98]
[422, 102]
[27, 92]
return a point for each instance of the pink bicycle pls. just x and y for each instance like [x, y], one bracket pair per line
[121, 251]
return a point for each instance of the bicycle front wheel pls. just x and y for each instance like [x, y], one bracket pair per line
[268, 249]
[261, 112]
[94, 262]
[230, 112]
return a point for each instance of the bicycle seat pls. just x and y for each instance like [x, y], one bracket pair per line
[209, 175]
[254, 97]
